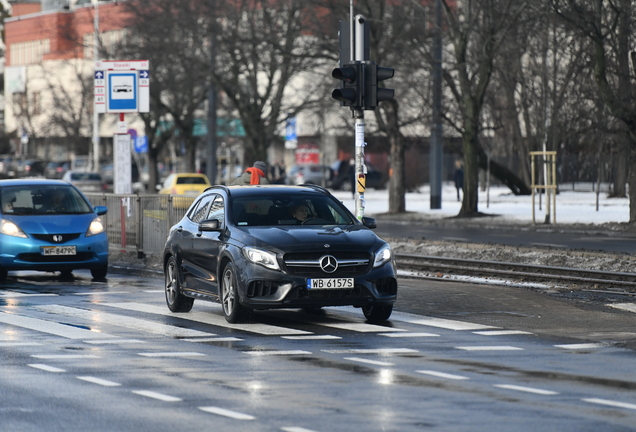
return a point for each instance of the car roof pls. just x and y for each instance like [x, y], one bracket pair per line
[238, 190]
[32, 181]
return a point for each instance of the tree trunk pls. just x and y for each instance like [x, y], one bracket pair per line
[397, 201]
[632, 182]
[621, 169]
[471, 174]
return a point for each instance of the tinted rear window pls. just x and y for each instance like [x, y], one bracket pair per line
[191, 180]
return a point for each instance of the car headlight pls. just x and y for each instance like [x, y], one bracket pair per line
[11, 229]
[382, 256]
[262, 257]
[96, 227]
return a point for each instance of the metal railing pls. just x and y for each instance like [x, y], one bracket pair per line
[140, 223]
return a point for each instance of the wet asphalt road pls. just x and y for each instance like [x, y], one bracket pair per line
[108, 356]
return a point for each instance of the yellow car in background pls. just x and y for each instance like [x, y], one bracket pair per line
[185, 184]
[189, 184]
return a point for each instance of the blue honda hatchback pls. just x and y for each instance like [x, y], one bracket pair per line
[48, 225]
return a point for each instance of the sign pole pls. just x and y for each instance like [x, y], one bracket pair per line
[95, 111]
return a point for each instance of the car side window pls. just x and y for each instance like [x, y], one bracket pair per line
[217, 210]
[200, 209]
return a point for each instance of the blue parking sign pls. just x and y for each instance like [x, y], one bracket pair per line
[141, 144]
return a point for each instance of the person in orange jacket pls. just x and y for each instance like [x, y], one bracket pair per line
[253, 176]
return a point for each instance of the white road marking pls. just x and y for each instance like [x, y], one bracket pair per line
[159, 396]
[501, 332]
[214, 339]
[123, 321]
[442, 375]
[526, 389]
[227, 413]
[581, 346]
[13, 294]
[440, 322]
[64, 356]
[490, 348]
[629, 307]
[359, 327]
[611, 403]
[51, 327]
[99, 381]
[208, 318]
[312, 337]
[373, 362]
[372, 351]
[408, 335]
[11, 344]
[114, 341]
[92, 293]
[172, 354]
[282, 352]
[295, 429]
[549, 245]
[46, 367]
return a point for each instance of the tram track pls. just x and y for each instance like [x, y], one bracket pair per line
[594, 280]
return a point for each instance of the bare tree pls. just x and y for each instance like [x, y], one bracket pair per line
[608, 26]
[477, 29]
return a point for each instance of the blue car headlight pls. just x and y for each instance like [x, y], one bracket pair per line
[11, 229]
[262, 257]
[382, 256]
[96, 227]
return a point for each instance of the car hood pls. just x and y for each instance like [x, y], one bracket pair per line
[47, 224]
[292, 239]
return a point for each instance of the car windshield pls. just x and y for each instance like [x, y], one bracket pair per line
[42, 200]
[289, 209]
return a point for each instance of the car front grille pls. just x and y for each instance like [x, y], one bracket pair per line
[308, 264]
[51, 237]
[39, 258]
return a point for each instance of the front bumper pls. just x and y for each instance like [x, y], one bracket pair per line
[25, 254]
[262, 288]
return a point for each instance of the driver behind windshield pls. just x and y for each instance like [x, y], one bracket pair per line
[300, 213]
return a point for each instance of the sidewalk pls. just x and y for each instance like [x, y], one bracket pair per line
[503, 208]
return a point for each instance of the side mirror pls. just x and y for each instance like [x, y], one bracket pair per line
[101, 210]
[158, 187]
[369, 222]
[209, 225]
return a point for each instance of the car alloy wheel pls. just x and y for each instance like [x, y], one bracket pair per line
[176, 301]
[234, 312]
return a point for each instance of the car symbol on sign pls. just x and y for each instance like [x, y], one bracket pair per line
[126, 88]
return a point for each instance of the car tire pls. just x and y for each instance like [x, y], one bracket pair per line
[176, 301]
[100, 273]
[233, 311]
[3, 274]
[377, 312]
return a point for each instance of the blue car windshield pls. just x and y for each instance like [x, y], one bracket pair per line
[23, 200]
[289, 209]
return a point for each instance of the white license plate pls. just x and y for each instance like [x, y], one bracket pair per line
[334, 283]
[59, 250]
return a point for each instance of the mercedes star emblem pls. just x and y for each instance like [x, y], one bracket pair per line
[328, 264]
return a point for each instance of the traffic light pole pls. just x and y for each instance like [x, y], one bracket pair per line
[359, 91]
[358, 115]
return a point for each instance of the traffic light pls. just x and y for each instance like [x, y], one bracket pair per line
[374, 94]
[351, 91]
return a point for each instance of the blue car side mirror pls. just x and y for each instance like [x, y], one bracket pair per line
[101, 210]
